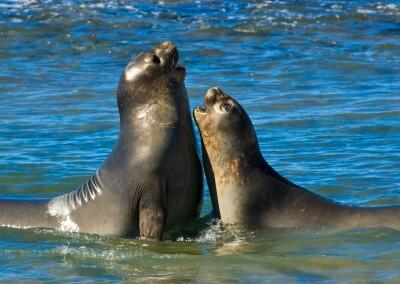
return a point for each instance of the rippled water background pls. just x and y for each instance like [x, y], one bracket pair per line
[320, 79]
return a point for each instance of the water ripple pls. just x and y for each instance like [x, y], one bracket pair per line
[320, 82]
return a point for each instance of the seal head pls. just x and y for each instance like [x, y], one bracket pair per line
[223, 123]
[151, 83]
[154, 63]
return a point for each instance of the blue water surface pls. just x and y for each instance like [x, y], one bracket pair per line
[320, 80]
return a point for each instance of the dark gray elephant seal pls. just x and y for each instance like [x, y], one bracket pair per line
[248, 192]
[152, 180]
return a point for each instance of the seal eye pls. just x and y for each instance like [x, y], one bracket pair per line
[156, 59]
[226, 106]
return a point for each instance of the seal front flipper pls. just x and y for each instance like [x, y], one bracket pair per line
[152, 211]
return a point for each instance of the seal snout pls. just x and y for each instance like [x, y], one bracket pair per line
[167, 53]
[212, 96]
[213, 92]
[210, 99]
[167, 44]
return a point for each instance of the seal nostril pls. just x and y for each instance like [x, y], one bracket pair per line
[167, 44]
[156, 59]
[215, 90]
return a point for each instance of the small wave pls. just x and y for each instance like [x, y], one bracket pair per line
[85, 252]
[385, 9]
[217, 232]
[246, 30]
[336, 6]
[214, 232]
[17, 4]
[365, 11]
[393, 7]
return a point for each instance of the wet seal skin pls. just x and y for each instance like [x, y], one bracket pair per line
[246, 191]
[152, 180]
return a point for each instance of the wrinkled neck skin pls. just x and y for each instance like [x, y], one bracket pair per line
[227, 173]
[151, 119]
[229, 165]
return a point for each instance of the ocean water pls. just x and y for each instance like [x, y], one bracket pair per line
[320, 80]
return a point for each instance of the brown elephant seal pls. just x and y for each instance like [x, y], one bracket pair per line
[152, 180]
[249, 192]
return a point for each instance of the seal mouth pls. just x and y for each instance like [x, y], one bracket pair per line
[180, 71]
[200, 109]
[199, 114]
[210, 98]
[179, 67]
[174, 55]
[168, 55]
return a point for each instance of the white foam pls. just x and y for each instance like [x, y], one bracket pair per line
[213, 232]
[262, 6]
[62, 206]
[17, 4]
[67, 225]
[15, 226]
[59, 208]
[365, 11]
[387, 7]
[336, 6]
